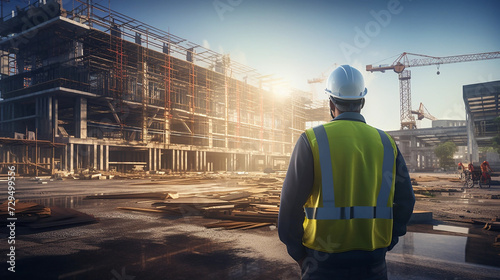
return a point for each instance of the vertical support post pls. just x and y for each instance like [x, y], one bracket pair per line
[95, 157]
[159, 159]
[149, 160]
[155, 151]
[173, 161]
[64, 163]
[182, 160]
[81, 118]
[204, 161]
[197, 161]
[106, 158]
[55, 116]
[101, 157]
[71, 159]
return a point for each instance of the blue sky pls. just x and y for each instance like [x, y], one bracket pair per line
[299, 40]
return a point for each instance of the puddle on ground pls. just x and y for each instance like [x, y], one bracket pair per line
[464, 245]
[64, 201]
[454, 229]
[177, 257]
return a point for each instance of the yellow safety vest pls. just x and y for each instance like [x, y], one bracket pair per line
[350, 205]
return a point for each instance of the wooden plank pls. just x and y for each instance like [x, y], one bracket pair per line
[141, 209]
[151, 195]
[62, 217]
[256, 225]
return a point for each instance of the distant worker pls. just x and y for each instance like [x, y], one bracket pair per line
[471, 167]
[461, 167]
[485, 171]
[347, 195]
[485, 167]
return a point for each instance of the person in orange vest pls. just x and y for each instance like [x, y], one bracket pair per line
[485, 167]
[471, 167]
[485, 171]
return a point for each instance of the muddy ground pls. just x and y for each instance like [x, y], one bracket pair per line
[139, 245]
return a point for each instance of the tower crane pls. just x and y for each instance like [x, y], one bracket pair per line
[406, 60]
[422, 113]
[323, 75]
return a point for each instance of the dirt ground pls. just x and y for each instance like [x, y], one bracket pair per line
[142, 245]
[448, 199]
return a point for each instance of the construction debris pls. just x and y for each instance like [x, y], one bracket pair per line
[492, 226]
[24, 211]
[36, 216]
[236, 225]
[151, 195]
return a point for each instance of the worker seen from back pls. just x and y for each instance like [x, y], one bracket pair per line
[485, 167]
[347, 195]
[485, 171]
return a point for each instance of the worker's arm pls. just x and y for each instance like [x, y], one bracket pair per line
[296, 189]
[404, 200]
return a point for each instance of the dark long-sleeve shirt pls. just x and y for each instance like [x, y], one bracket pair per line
[298, 185]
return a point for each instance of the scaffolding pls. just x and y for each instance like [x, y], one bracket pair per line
[111, 80]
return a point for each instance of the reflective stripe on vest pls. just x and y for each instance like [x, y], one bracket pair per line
[329, 211]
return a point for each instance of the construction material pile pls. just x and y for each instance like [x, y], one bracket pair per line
[36, 216]
[256, 204]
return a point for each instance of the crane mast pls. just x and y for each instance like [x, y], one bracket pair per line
[406, 60]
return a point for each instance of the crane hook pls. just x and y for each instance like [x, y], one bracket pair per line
[438, 70]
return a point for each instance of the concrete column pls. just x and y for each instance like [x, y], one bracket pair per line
[149, 160]
[87, 158]
[204, 161]
[177, 160]
[95, 157]
[173, 160]
[155, 151]
[101, 157]
[71, 159]
[159, 159]
[181, 168]
[413, 152]
[77, 156]
[167, 131]
[186, 161]
[197, 161]
[106, 158]
[81, 118]
[210, 134]
[55, 116]
[64, 159]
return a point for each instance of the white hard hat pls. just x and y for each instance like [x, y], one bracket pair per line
[346, 83]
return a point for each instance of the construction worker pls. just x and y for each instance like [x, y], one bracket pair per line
[485, 171]
[347, 195]
[485, 167]
[470, 167]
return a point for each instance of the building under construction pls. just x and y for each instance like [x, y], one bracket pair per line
[93, 88]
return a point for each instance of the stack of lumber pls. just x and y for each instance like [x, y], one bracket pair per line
[150, 195]
[247, 208]
[492, 226]
[62, 217]
[36, 216]
[24, 211]
[236, 225]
